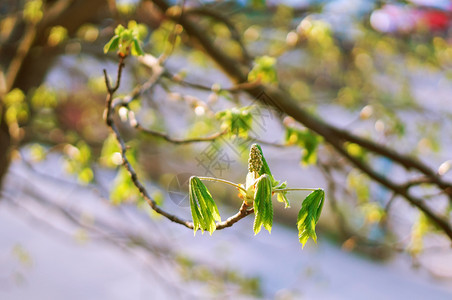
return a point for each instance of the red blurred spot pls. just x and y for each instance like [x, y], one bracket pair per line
[437, 20]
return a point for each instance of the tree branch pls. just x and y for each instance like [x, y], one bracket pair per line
[282, 101]
[108, 117]
[204, 11]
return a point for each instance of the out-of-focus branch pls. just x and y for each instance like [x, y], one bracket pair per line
[234, 89]
[203, 11]
[283, 101]
[172, 140]
[244, 211]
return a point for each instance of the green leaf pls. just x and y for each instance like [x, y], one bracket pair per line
[119, 29]
[203, 209]
[305, 139]
[281, 196]
[263, 208]
[136, 48]
[309, 216]
[237, 121]
[112, 45]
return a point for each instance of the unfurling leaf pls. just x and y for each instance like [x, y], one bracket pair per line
[263, 208]
[136, 48]
[112, 45]
[127, 41]
[309, 216]
[203, 209]
[281, 196]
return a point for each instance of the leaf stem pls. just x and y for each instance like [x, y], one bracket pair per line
[223, 181]
[290, 190]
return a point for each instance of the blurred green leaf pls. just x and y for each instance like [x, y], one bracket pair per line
[33, 11]
[123, 188]
[43, 97]
[37, 152]
[306, 140]
[17, 110]
[15, 96]
[57, 35]
[237, 120]
[257, 4]
[110, 154]
[264, 70]
[112, 45]
[136, 48]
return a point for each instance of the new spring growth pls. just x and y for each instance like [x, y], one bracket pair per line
[257, 191]
[255, 159]
[127, 40]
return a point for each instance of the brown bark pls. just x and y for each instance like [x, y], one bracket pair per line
[5, 142]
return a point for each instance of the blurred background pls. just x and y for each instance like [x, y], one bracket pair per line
[73, 224]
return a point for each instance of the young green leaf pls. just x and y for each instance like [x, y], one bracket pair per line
[263, 208]
[309, 216]
[119, 29]
[127, 41]
[136, 48]
[112, 45]
[281, 196]
[203, 209]
[237, 121]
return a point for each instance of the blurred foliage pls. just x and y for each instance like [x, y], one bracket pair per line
[33, 11]
[307, 141]
[127, 40]
[323, 58]
[236, 121]
[264, 70]
[221, 281]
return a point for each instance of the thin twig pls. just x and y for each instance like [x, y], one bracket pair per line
[293, 190]
[234, 89]
[167, 138]
[244, 210]
[222, 181]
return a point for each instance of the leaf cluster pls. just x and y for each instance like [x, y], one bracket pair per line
[127, 40]
[258, 190]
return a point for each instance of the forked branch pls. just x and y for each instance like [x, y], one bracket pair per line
[244, 211]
